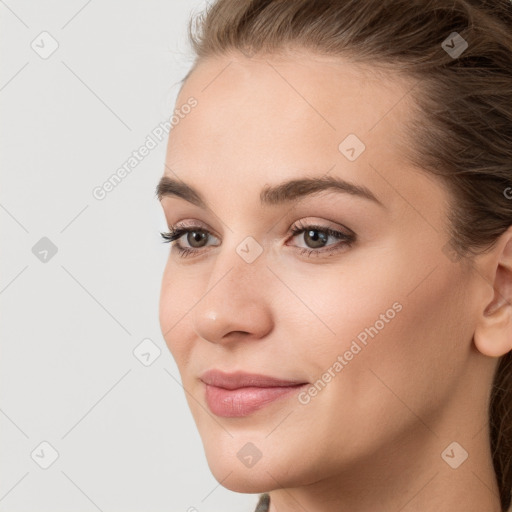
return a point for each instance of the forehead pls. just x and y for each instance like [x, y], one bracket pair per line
[300, 85]
[300, 102]
[269, 119]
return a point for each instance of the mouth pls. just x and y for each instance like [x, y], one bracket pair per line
[239, 394]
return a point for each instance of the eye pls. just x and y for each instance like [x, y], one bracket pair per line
[196, 236]
[315, 236]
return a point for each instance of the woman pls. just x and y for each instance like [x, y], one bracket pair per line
[338, 293]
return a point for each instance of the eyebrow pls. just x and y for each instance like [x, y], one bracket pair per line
[270, 195]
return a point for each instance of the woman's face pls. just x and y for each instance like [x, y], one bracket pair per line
[378, 325]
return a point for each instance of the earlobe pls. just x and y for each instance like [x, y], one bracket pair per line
[493, 332]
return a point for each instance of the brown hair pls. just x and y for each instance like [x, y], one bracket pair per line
[464, 105]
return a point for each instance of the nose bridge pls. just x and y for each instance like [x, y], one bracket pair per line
[237, 297]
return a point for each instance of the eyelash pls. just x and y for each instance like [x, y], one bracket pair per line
[346, 239]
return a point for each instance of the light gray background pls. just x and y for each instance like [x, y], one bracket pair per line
[125, 438]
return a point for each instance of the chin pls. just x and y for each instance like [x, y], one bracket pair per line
[264, 475]
[248, 483]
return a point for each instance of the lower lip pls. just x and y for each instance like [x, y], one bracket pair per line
[235, 403]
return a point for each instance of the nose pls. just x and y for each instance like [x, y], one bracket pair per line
[236, 303]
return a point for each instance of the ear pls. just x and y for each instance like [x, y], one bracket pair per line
[493, 332]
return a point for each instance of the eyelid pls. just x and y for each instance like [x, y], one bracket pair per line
[193, 224]
[322, 223]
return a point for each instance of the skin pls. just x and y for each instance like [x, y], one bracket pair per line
[372, 439]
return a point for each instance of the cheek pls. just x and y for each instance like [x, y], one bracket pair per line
[332, 308]
[412, 361]
[428, 345]
[398, 328]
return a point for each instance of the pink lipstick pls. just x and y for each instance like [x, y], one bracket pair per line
[238, 394]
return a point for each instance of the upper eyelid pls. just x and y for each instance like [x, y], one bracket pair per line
[321, 223]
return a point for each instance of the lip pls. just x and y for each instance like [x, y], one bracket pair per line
[239, 394]
[241, 379]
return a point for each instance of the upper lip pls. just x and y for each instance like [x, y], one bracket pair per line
[240, 379]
